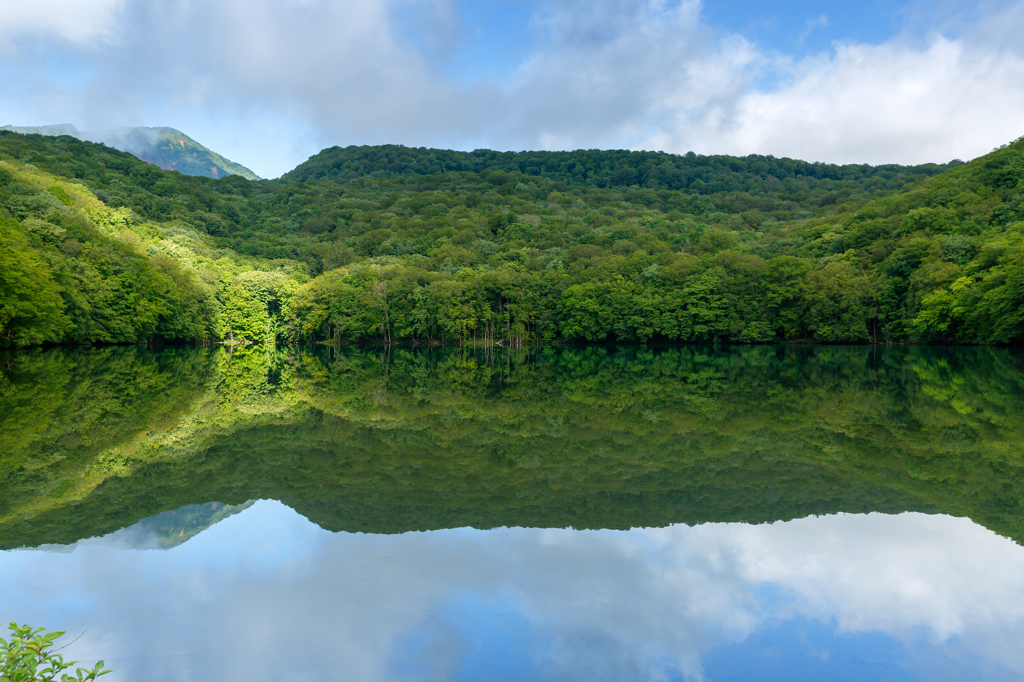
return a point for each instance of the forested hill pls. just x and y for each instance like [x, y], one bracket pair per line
[99, 247]
[613, 168]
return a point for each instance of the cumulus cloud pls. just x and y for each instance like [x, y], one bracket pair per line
[879, 572]
[881, 103]
[606, 73]
[79, 22]
[610, 72]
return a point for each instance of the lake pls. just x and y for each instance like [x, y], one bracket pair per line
[593, 513]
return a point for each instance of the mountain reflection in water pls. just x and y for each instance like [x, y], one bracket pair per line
[103, 451]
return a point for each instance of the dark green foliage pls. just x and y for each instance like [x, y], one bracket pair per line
[436, 246]
[611, 169]
[587, 437]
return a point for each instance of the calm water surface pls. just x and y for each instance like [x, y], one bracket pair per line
[649, 514]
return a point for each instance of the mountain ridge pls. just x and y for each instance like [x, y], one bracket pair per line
[590, 167]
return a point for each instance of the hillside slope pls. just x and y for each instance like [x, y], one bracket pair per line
[500, 256]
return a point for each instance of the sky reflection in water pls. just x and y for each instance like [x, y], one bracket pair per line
[267, 595]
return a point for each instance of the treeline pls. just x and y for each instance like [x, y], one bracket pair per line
[675, 298]
[693, 173]
[100, 247]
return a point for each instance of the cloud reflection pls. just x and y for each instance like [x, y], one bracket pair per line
[268, 595]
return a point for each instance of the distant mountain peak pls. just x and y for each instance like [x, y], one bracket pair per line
[166, 148]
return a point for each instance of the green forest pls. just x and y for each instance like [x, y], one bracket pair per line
[389, 440]
[393, 244]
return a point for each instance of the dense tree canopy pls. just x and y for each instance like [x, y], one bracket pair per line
[397, 244]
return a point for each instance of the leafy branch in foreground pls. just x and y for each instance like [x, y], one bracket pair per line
[28, 657]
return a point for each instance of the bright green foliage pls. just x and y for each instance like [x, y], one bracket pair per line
[517, 249]
[31, 309]
[78, 271]
[28, 656]
[583, 311]
[245, 317]
[337, 304]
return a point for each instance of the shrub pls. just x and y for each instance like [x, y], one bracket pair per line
[28, 657]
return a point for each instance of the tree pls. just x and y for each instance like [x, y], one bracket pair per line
[839, 302]
[784, 276]
[245, 317]
[31, 308]
[380, 296]
[583, 312]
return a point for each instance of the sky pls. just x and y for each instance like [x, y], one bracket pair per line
[266, 594]
[269, 83]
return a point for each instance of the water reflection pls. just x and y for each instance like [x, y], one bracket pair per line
[358, 440]
[265, 594]
[811, 513]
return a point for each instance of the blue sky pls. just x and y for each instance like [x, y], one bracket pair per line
[270, 82]
[802, 27]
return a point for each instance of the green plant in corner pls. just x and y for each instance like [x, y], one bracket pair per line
[28, 657]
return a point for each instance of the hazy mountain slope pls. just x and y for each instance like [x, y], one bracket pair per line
[170, 149]
[167, 148]
[56, 129]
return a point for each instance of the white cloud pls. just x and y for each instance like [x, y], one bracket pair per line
[265, 594]
[79, 22]
[895, 574]
[605, 73]
[890, 103]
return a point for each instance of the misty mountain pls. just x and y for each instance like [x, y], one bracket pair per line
[162, 531]
[166, 148]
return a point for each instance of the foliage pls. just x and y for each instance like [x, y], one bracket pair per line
[602, 169]
[78, 271]
[393, 244]
[396, 440]
[31, 309]
[28, 656]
